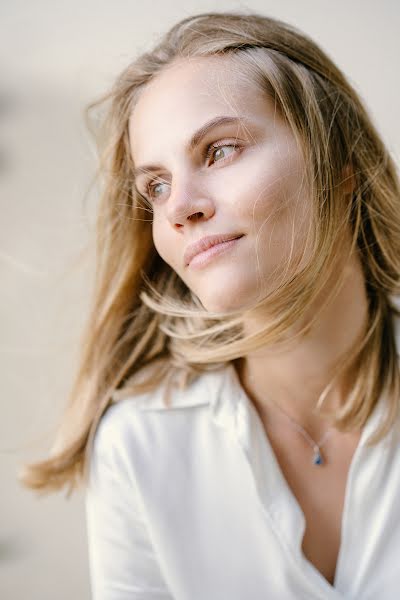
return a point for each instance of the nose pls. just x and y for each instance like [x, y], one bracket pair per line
[188, 201]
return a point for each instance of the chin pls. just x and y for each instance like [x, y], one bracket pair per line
[224, 302]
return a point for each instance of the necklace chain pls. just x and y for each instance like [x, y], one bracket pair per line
[316, 446]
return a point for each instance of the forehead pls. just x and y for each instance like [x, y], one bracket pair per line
[186, 94]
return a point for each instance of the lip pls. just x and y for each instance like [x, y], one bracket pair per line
[206, 243]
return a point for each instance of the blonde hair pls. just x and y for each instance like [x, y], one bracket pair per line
[143, 315]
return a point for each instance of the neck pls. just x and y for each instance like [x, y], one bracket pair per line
[294, 379]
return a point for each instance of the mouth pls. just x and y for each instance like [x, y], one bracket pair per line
[204, 257]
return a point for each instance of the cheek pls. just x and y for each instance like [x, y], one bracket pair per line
[279, 191]
[267, 182]
[279, 211]
[166, 246]
[159, 240]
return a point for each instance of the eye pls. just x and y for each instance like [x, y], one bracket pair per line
[218, 150]
[152, 186]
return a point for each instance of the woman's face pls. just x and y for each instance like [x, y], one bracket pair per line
[213, 156]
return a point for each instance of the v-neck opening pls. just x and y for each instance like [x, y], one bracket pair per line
[282, 497]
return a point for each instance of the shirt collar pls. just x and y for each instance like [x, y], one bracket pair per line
[207, 388]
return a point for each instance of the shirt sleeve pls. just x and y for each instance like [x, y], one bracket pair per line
[122, 560]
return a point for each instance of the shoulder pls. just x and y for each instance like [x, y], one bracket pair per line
[144, 419]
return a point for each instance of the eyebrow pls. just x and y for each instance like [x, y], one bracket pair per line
[195, 139]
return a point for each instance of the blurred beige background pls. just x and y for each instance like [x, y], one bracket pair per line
[55, 57]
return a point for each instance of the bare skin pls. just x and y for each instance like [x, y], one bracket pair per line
[320, 491]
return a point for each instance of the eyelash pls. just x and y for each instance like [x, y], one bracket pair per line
[209, 150]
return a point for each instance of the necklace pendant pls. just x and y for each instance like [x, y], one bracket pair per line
[318, 460]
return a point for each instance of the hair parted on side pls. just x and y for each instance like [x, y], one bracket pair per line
[143, 315]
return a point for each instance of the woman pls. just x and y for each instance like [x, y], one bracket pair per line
[237, 405]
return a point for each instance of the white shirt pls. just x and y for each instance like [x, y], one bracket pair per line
[189, 503]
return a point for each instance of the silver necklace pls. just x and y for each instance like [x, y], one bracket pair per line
[317, 457]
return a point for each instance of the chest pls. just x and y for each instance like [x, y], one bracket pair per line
[224, 526]
[320, 491]
[323, 514]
